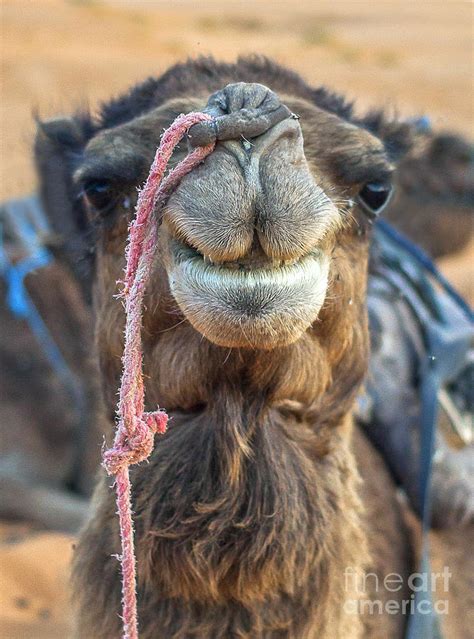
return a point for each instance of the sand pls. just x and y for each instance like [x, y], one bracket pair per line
[34, 595]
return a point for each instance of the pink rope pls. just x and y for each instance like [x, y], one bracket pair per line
[136, 428]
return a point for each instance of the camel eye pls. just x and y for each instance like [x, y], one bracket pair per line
[375, 196]
[99, 195]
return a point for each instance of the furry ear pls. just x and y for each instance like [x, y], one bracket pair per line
[58, 145]
[398, 136]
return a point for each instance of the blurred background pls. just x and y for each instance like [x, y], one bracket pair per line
[58, 55]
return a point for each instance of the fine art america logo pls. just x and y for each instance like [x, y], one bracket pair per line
[369, 593]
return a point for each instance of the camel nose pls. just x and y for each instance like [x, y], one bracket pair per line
[240, 110]
[284, 139]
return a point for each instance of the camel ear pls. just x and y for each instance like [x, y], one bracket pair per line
[58, 146]
[398, 136]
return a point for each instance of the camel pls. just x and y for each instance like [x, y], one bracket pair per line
[431, 205]
[49, 453]
[262, 506]
[435, 192]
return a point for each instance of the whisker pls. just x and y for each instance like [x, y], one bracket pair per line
[170, 328]
[227, 357]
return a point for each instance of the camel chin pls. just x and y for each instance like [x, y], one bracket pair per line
[247, 303]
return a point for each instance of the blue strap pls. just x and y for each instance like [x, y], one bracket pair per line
[424, 622]
[19, 301]
[28, 225]
[422, 124]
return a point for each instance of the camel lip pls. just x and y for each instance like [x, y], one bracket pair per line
[266, 287]
[259, 307]
[183, 252]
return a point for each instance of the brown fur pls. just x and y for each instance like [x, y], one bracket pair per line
[251, 506]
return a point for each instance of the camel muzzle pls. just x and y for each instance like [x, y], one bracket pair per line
[253, 197]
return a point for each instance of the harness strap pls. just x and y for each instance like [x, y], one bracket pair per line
[446, 346]
[400, 242]
[18, 299]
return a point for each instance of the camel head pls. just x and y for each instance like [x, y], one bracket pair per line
[254, 335]
[262, 245]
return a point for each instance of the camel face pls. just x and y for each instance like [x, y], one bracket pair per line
[247, 514]
[249, 246]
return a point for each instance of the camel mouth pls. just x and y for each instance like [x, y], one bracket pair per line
[248, 265]
[253, 302]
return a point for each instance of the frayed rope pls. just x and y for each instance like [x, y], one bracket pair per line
[136, 428]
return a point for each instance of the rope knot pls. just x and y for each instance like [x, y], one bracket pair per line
[135, 448]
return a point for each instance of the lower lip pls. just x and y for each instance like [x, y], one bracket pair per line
[311, 266]
[262, 308]
[302, 283]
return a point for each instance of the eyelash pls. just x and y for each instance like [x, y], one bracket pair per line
[101, 199]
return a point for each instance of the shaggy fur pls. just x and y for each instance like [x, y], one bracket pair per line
[251, 506]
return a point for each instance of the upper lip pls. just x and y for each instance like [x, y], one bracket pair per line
[252, 261]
